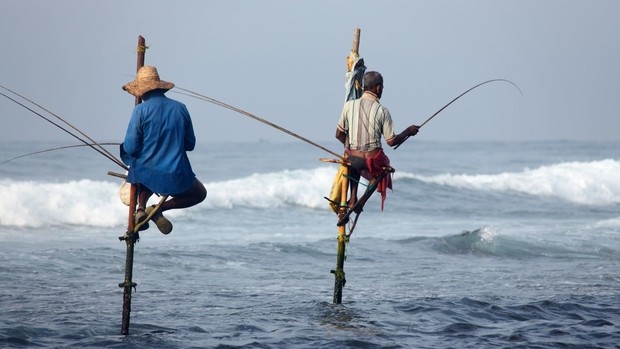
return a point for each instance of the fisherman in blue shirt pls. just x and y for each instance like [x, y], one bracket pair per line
[159, 134]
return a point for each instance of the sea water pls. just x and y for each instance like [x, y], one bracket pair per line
[480, 245]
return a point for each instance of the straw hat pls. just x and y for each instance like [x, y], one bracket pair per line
[147, 80]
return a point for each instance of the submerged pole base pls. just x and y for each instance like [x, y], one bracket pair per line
[338, 285]
[339, 270]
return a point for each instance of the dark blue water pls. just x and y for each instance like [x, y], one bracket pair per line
[481, 245]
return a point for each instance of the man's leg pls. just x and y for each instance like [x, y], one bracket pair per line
[357, 165]
[193, 196]
[367, 193]
[354, 178]
[144, 194]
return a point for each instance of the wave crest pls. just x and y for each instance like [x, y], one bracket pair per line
[96, 203]
[590, 183]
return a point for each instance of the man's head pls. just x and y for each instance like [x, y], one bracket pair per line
[373, 82]
[147, 80]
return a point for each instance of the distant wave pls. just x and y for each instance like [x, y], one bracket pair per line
[486, 242]
[590, 183]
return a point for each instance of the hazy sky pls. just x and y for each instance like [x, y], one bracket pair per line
[285, 61]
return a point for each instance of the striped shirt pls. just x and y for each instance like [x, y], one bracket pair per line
[364, 120]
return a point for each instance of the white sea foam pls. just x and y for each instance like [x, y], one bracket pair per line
[96, 203]
[84, 202]
[590, 183]
[291, 187]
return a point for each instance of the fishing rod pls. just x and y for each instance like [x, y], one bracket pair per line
[459, 96]
[93, 144]
[53, 149]
[243, 112]
[371, 190]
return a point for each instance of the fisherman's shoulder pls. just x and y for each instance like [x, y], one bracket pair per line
[174, 102]
[169, 103]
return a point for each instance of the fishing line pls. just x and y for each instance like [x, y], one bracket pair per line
[459, 96]
[243, 112]
[53, 149]
[94, 144]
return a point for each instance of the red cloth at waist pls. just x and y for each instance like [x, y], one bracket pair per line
[375, 167]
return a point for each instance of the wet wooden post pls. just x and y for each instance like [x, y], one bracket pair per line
[131, 237]
[339, 274]
[342, 241]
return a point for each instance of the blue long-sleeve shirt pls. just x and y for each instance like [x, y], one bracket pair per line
[159, 134]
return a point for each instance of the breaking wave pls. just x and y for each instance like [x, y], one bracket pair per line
[84, 202]
[96, 203]
[589, 183]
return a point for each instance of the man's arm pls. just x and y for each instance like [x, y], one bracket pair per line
[190, 137]
[341, 136]
[401, 137]
[132, 144]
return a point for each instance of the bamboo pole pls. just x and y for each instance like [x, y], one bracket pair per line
[339, 274]
[131, 237]
[356, 41]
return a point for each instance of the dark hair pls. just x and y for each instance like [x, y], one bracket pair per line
[372, 79]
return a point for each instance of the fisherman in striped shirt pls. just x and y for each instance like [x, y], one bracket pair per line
[361, 125]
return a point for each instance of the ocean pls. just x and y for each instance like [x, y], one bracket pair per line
[480, 245]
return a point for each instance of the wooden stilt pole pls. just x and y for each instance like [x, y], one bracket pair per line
[131, 237]
[342, 242]
[342, 234]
